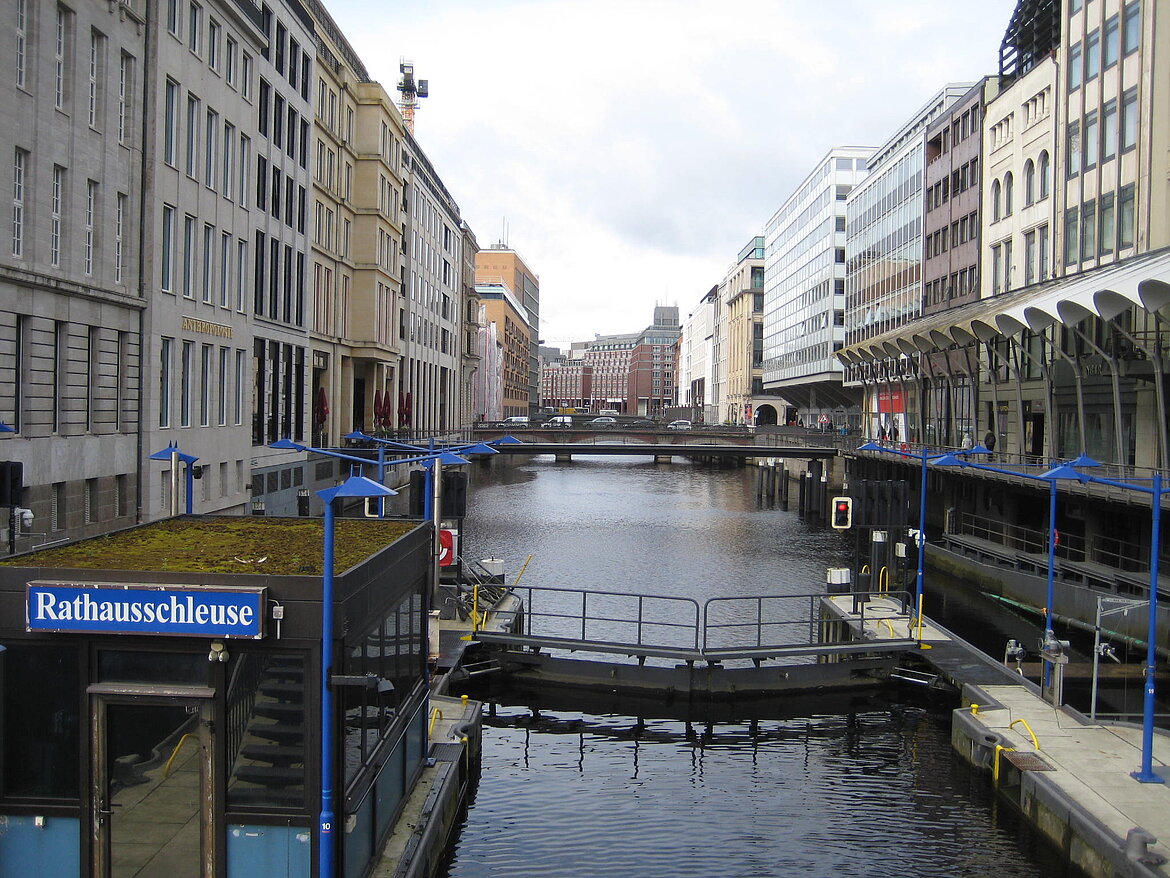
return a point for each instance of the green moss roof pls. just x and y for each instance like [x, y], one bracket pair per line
[225, 544]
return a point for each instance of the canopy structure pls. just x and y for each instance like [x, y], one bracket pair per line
[1104, 293]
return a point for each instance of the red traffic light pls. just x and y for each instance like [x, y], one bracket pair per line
[842, 518]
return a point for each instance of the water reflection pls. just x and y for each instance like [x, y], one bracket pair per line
[577, 784]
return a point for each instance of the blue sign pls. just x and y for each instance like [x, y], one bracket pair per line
[115, 608]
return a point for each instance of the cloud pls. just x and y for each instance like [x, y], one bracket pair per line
[635, 146]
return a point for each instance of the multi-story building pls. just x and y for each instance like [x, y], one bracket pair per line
[502, 264]
[883, 280]
[804, 290]
[71, 305]
[697, 359]
[609, 356]
[745, 401]
[469, 311]
[508, 319]
[653, 373]
[566, 385]
[228, 123]
[952, 226]
[430, 319]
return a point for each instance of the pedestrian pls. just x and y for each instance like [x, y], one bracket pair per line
[989, 441]
[967, 444]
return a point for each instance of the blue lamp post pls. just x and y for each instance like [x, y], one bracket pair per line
[924, 456]
[354, 487]
[1146, 773]
[174, 455]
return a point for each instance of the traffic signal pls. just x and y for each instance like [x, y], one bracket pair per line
[11, 483]
[842, 513]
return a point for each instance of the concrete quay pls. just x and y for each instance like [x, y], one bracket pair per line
[1068, 775]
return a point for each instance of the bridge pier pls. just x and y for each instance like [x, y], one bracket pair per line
[563, 457]
[662, 458]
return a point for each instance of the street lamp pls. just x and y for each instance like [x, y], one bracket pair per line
[924, 456]
[353, 487]
[1145, 774]
[174, 455]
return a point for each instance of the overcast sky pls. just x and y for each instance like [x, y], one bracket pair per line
[631, 148]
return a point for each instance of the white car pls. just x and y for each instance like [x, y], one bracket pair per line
[516, 421]
[559, 421]
[679, 425]
[603, 422]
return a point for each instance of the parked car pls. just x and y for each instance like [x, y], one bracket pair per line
[515, 421]
[640, 424]
[603, 422]
[679, 425]
[559, 421]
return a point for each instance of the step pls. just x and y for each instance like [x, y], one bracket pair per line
[261, 796]
[275, 753]
[277, 731]
[280, 710]
[271, 776]
[285, 672]
[284, 691]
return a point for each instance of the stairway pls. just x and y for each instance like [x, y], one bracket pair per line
[269, 769]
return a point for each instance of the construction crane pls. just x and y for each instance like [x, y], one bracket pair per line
[411, 90]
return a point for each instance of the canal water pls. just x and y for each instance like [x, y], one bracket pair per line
[808, 786]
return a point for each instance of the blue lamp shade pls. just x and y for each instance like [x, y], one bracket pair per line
[1084, 460]
[1064, 472]
[287, 444]
[950, 460]
[4, 428]
[978, 449]
[480, 448]
[870, 446]
[356, 486]
[356, 434]
[508, 440]
[448, 458]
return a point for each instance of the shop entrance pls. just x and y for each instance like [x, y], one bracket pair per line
[152, 782]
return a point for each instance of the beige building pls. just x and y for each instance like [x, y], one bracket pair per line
[502, 264]
[743, 319]
[502, 309]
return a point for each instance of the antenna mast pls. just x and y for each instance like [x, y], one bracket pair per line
[412, 90]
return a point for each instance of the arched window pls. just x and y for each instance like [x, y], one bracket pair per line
[995, 201]
[1029, 183]
[1045, 174]
[1007, 194]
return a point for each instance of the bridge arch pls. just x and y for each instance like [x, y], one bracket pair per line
[766, 415]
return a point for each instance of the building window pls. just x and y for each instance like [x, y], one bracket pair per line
[1129, 119]
[225, 269]
[1029, 258]
[119, 230]
[61, 59]
[167, 257]
[1045, 172]
[173, 17]
[241, 272]
[189, 256]
[185, 367]
[1090, 142]
[213, 32]
[229, 61]
[56, 195]
[1107, 230]
[996, 190]
[211, 138]
[1007, 194]
[1092, 55]
[1112, 47]
[246, 75]
[208, 260]
[164, 382]
[1029, 183]
[1073, 150]
[1125, 218]
[1132, 35]
[1109, 131]
[241, 374]
[194, 27]
[125, 90]
[205, 385]
[1089, 229]
[21, 41]
[1074, 67]
[90, 209]
[192, 135]
[1042, 256]
[171, 122]
[19, 168]
[1071, 239]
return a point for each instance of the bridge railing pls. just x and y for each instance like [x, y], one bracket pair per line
[653, 621]
[673, 627]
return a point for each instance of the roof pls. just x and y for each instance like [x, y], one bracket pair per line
[1105, 292]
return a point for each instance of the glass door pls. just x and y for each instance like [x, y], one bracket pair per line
[153, 804]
